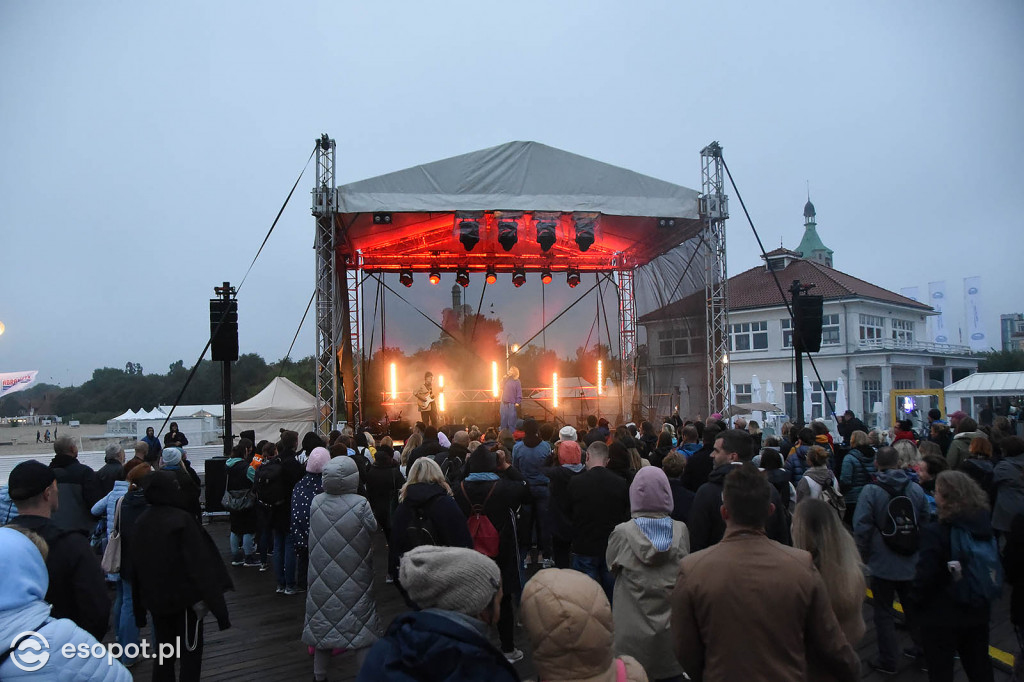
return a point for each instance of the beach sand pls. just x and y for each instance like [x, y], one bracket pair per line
[21, 440]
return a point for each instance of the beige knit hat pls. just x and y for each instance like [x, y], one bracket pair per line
[450, 578]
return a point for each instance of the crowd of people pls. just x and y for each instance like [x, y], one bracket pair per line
[682, 550]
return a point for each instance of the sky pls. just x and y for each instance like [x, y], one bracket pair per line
[147, 147]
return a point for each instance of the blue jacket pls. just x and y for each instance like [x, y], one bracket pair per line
[858, 468]
[22, 609]
[308, 487]
[432, 646]
[530, 462]
[868, 520]
[796, 464]
[7, 509]
[108, 504]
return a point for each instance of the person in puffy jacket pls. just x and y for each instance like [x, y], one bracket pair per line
[559, 605]
[796, 462]
[112, 469]
[1008, 482]
[457, 592]
[341, 612]
[857, 471]
[79, 488]
[308, 487]
[643, 555]
[966, 431]
[529, 456]
[23, 609]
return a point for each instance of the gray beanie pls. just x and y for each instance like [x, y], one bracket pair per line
[450, 578]
[170, 456]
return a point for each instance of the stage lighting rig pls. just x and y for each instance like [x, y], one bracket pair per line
[492, 275]
[666, 223]
[508, 230]
[462, 277]
[572, 277]
[381, 218]
[469, 229]
[545, 275]
[547, 229]
[435, 275]
[519, 276]
[585, 224]
[405, 277]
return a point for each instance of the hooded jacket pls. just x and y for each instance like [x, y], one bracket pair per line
[78, 489]
[436, 645]
[1008, 481]
[175, 562]
[8, 511]
[858, 468]
[644, 578]
[820, 475]
[598, 500]
[960, 448]
[705, 521]
[796, 463]
[111, 471]
[22, 609]
[569, 622]
[341, 612]
[530, 462]
[869, 519]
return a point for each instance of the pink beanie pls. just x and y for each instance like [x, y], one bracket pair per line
[650, 492]
[317, 459]
[569, 452]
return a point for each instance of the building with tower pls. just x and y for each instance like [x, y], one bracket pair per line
[873, 341]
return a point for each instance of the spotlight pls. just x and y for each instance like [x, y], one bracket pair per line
[545, 275]
[462, 277]
[572, 277]
[547, 225]
[508, 233]
[666, 222]
[405, 277]
[435, 275]
[492, 275]
[381, 218]
[469, 232]
[585, 223]
[519, 276]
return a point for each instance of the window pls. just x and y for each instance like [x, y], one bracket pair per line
[820, 408]
[829, 331]
[902, 331]
[789, 389]
[871, 327]
[872, 393]
[675, 342]
[748, 336]
[743, 393]
[903, 384]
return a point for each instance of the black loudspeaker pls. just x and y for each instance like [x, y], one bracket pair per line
[216, 482]
[224, 346]
[808, 311]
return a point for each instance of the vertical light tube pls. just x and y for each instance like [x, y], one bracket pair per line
[394, 383]
[554, 390]
[494, 378]
[600, 377]
[440, 395]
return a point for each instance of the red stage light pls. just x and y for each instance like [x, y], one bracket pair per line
[492, 275]
[545, 276]
[572, 278]
[462, 277]
[519, 276]
[435, 276]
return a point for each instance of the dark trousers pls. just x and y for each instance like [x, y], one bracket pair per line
[562, 552]
[506, 623]
[429, 418]
[167, 627]
[971, 641]
[883, 592]
[301, 566]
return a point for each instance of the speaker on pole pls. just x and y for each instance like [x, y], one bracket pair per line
[224, 334]
[807, 310]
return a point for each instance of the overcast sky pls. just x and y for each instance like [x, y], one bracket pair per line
[147, 146]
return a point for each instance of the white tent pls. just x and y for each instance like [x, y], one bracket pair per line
[281, 405]
[129, 415]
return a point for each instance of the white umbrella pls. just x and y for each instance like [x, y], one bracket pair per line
[842, 404]
[755, 397]
[769, 392]
[807, 401]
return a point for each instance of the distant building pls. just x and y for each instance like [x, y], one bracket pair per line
[1011, 331]
[872, 340]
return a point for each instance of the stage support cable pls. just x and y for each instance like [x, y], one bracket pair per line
[325, 206]
[714, 210]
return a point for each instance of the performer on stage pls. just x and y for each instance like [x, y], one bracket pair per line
[511, 397]
[425, 401]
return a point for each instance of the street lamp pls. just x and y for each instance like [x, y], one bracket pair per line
[511, 348]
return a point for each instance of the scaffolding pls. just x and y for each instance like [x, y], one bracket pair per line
[325, 202]
[627, 339]
[714, 209]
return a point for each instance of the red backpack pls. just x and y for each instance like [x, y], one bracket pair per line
[485, 536]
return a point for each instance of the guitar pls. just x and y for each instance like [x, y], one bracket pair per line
[424, 404]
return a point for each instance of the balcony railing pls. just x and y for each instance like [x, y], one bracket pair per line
[918, 346]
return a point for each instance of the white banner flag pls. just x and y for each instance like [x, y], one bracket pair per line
[972, 309]
[938, 329]
[12, 382]
[913, 293]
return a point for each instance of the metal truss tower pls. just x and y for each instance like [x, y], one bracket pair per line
[353, 365]
[325, 206]
[714, 210]
[627, 334]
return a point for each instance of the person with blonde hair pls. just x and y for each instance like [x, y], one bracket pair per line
[908, 457]
[511, 398]
[953, 607]
[426, 514]
[857, 469]
[817, 477]
[817, 529]
[411, 443]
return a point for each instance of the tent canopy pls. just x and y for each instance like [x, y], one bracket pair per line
[982, 384]
[523, 178]
[281, 405]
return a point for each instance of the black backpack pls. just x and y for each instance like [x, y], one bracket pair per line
[900, 529]
[421, 529]
[452, 469]
[272, 484]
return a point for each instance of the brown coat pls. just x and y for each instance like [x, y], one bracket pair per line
[569, 622]
[734, 619]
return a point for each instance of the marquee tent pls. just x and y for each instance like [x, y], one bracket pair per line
[281, 405]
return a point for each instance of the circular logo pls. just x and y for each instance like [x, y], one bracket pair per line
[972, 290]
[941, 339]
[29, 651]
[978, 336]
[938, 294]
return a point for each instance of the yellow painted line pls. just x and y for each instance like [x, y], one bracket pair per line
[1002, 656]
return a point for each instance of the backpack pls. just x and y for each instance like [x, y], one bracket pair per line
[452, 469]
[901, 530]
[981, 571]
[486, 539]
[271, 484]
[421, 529]
[829, 494]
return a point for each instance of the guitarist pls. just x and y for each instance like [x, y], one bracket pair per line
[425, 401]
